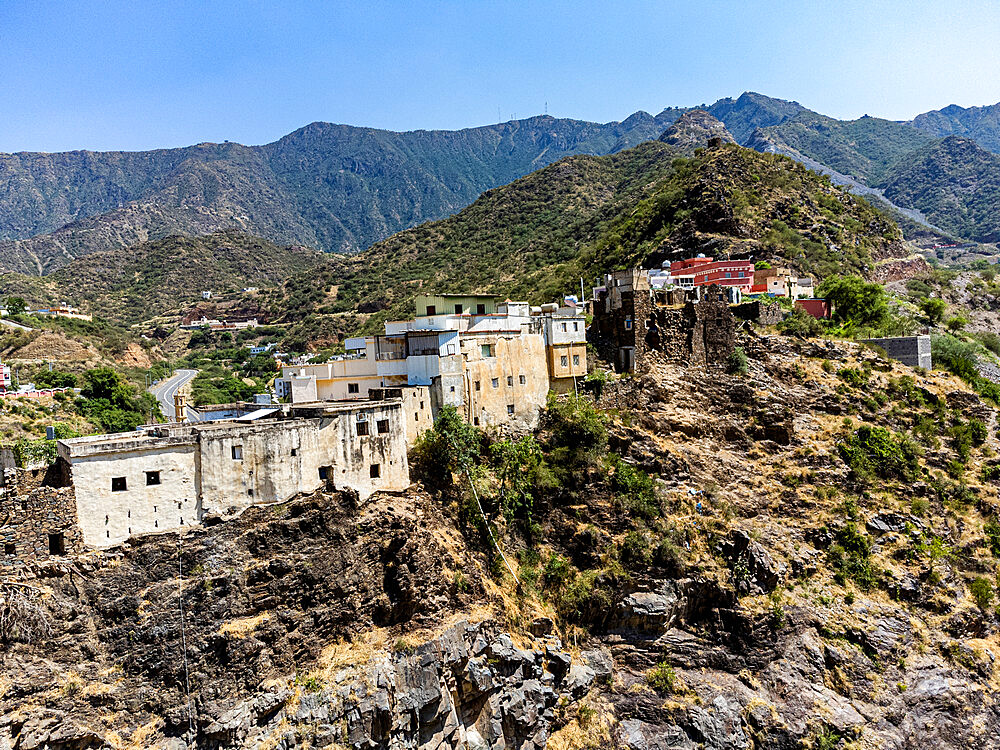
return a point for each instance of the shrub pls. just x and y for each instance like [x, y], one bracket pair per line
[662, 678]
[850, 557]
[801, 323]
[933, 308]
[955, 355]
[956, 324]
[876, 451]
[634, 550]
[737, 362]
[635, 488]
[856, 302]
[452, 444]
[982, 591]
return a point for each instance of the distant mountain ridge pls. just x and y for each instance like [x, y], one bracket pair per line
[342, 188]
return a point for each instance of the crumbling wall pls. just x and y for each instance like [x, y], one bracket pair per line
[760, 312]
[701, 333]
[37, 517]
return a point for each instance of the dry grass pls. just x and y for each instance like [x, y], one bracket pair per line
[243, 626]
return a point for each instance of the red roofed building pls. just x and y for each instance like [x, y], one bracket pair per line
[705, 271]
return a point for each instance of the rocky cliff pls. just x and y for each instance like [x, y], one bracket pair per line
[799, 556]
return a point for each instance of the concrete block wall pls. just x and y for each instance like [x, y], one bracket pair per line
[914, 351]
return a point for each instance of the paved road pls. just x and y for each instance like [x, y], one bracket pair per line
[12, 324]
[166, 389]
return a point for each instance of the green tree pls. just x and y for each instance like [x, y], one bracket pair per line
[855, 301]
[956, 324]
[933, 308]
[16, 306]
[110, 401]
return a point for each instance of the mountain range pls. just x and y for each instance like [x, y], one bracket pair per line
[339, 188]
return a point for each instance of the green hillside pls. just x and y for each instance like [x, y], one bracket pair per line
[955, 183]
[139, 282]
[537, 237]
[865, 148]
[982, 124]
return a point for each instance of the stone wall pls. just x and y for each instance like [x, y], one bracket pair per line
[760, 312]
[914, 351]
[37, 517]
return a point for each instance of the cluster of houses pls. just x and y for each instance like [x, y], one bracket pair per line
[347, 423]
[347, 426]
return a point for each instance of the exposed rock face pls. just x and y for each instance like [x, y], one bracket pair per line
[695, 129]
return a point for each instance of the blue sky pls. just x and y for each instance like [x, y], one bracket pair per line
[147, 73]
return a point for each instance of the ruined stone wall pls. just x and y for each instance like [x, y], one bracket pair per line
[759, 312]
[37, 514]
[700, 333]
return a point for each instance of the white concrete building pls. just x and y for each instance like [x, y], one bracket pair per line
[169, 476]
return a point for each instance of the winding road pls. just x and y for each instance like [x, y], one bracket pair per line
[165, 391]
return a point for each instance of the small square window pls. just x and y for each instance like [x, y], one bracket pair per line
[564, 361]
[374, 471]
[152, 477]
[431, 309]
[383, 426]
[452, 389]
[628, 323]
[480, 309]
[9, 548]
[118, 484]
[237, 452]
[510, 380]
[250, 493]
[521, 379]
[295, 451]
[576, 359]
[475, 421]
[353, 388]
[487, 350]
[362, 428]
[324, 472]
[458, 309]
[477, 385]
[496, 382]
[564, 326]
[510, 408]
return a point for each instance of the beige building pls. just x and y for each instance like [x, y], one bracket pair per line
[169, 476]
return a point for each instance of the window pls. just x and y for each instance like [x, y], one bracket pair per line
[480, 309]
[375, 470]
[250, 493]
[9, 548]
[57, 544]
[510, 408]
[729, 275]
[451, 348]
[362, 428]
[475, 421]
[295, 451]
[431, 310]
[628, 323]
[564, 326]
[152, 477]
[496, 382]
[576, 359]
[477, 385]
[521, 379]
[421, 405]
[458, 309]
[118, 484]
[353, 388]
[452, 389]
[416, 416]
[324, 472]
[237, 452]
[564, 361]
[487, 350]
[576, 325]
[510, 380]
[383, 426]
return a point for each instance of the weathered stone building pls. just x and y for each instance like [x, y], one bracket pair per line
[169, 476]
[631, 319]
[37, 515]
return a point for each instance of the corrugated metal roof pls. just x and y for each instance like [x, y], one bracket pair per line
[256, 415]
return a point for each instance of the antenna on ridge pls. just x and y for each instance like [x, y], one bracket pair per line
[546, 107]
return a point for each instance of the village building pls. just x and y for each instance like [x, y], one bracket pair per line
[104, 489]
[494, 362]
[704, 271]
